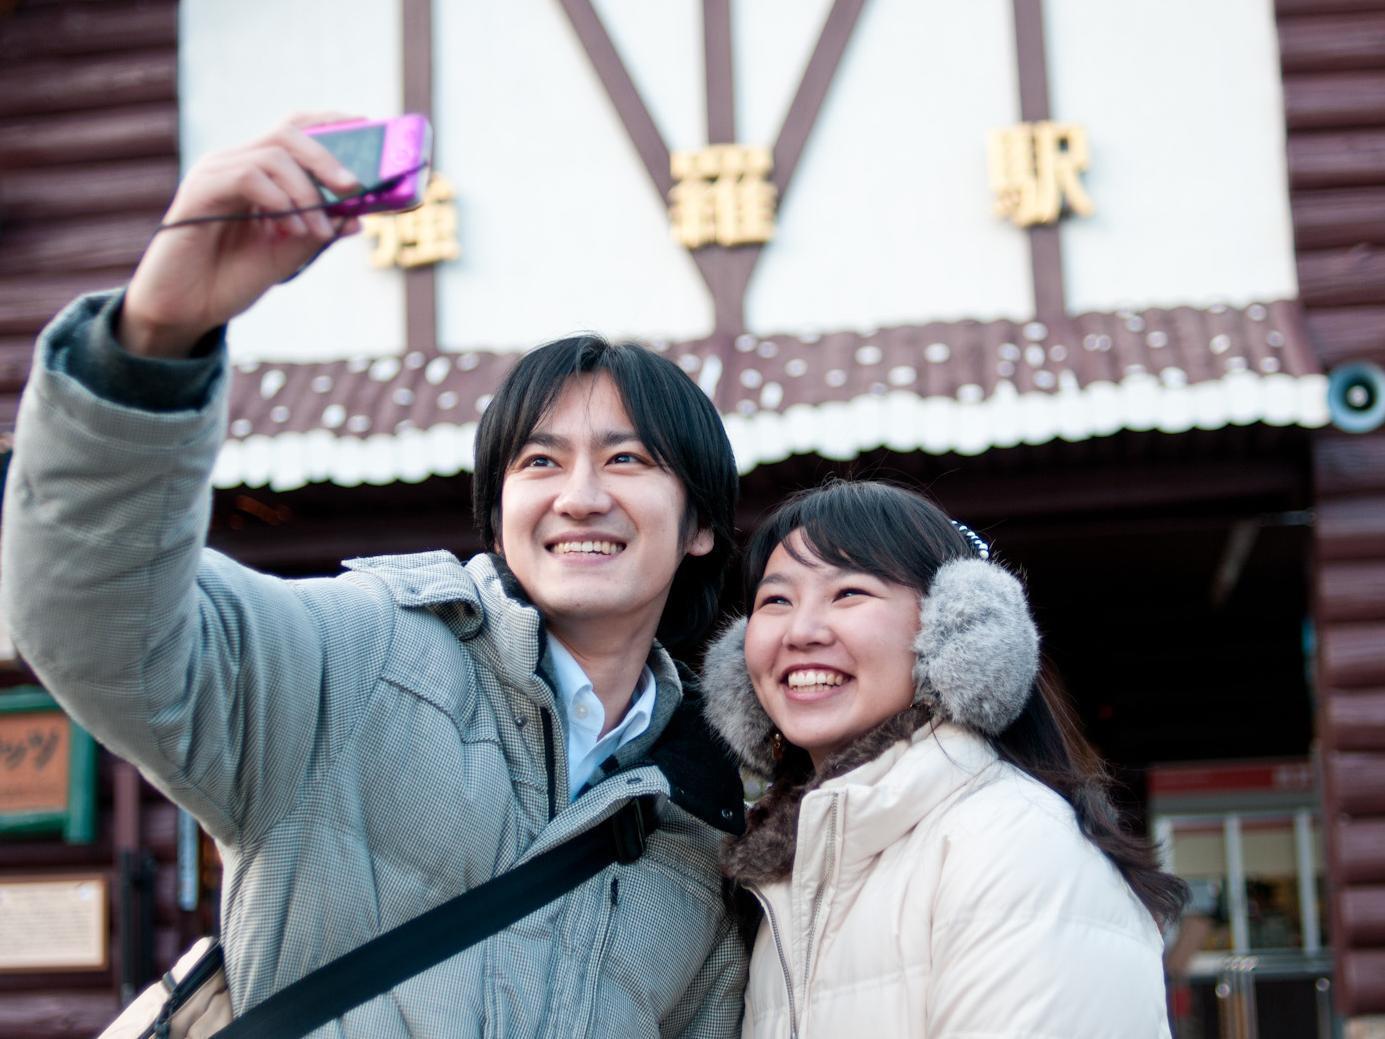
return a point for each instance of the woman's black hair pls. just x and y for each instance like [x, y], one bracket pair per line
[673, 419]
[898, 535]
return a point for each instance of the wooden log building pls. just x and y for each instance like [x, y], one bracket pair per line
[1206, 551]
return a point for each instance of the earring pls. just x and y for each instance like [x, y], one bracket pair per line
[776, 746]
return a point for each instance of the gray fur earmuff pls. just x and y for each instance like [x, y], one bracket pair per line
[729, 702]
[977, 655]
[977, 647]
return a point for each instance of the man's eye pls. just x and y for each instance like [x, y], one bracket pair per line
[628, 458]
[536, 462]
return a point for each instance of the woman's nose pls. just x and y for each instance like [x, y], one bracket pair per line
[808, 627]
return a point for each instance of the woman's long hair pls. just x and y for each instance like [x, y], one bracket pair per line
[900, 536]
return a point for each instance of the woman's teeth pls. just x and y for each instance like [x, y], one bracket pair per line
[603, 548]
[808, 679]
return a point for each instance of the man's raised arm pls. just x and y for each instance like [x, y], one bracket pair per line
[203, 673]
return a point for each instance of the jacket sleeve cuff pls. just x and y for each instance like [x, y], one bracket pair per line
[98, 361]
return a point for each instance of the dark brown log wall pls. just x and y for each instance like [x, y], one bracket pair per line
[1333, 56]
[88, 162]
[88, 156]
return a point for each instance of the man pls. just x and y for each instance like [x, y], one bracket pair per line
[365, 747]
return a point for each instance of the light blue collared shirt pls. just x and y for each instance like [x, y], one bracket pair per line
[586, 716]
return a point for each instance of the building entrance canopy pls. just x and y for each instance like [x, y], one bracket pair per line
[961, 387]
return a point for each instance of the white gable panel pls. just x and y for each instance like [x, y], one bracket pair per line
[888, 220]
[560, 228]
[243, 68]
[1184, 112]
[772, 40]
[661, 46]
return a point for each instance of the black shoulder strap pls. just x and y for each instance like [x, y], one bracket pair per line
[397, 955]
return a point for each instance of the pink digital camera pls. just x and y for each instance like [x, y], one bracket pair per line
[389, 157]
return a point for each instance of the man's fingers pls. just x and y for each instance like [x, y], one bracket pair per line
[303, 193]
[312, 156]
[257, 187]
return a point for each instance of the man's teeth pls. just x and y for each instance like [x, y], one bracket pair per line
[804, 679]
[605, 548]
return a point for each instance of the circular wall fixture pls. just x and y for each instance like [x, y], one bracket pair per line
[1356, 397]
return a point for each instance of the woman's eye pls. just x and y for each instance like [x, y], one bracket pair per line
[536, 462]
[628, 458]
[845, 593]
[771, 600]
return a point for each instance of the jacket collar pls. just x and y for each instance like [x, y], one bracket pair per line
[891, 794]
[476, 600]
[891, 778]
[483, 604]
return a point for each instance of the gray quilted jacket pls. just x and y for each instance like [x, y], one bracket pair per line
[362, 747]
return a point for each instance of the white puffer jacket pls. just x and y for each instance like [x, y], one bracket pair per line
[939, 892]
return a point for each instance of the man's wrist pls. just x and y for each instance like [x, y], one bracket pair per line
[145, 338]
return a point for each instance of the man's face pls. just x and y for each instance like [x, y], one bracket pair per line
[590, 525]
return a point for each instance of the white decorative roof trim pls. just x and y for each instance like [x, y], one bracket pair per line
[898, 420]
[902, 421]
[291, 460]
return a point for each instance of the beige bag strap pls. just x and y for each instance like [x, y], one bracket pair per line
[189, 1002]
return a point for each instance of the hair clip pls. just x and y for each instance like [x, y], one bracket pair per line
[983, 550]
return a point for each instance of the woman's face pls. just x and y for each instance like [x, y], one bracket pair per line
[830, 651]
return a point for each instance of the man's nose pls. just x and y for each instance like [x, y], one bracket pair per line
[583, 493]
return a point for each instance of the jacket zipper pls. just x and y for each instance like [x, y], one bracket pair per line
[818, 898]
[783, 960]
[594, 973]
[550, 762]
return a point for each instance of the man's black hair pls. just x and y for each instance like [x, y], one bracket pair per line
[674, 420]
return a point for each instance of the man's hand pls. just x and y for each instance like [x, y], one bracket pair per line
[192, 279]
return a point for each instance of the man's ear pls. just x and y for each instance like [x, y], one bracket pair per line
[701, 542]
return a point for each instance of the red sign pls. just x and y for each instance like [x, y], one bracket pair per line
[1294, 776]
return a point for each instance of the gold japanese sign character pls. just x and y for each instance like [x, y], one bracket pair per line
[1034, 171]
[722, 196]
[423, 235]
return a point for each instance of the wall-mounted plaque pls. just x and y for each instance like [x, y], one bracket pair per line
[47, 769]
[54, 923]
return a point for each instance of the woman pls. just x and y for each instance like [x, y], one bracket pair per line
[936, 854]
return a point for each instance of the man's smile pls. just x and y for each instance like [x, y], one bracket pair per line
[585, 543]
[587, 546]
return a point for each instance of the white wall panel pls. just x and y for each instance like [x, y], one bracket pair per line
[560, 226]
[1183, 107]
[773, 40]
[889, 218]
[661, 45]
[243, 68]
